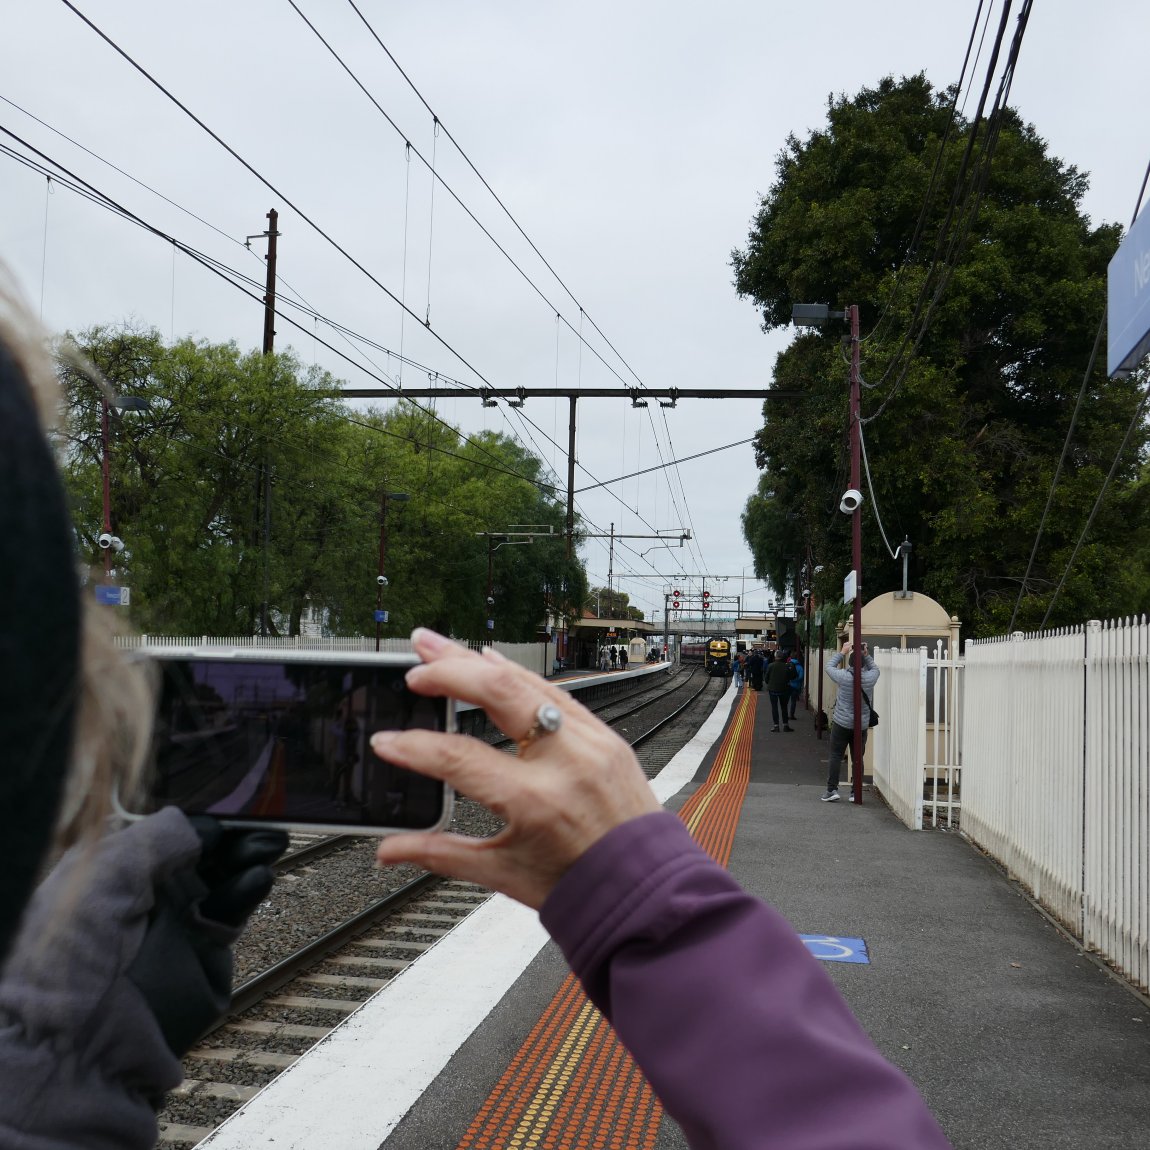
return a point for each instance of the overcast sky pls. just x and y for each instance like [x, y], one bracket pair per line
[630, 141]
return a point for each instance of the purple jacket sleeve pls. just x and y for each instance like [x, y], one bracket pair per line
[743, 1036]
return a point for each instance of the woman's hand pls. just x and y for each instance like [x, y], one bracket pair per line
[558, 797]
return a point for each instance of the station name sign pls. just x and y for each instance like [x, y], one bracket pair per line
[1128, 300]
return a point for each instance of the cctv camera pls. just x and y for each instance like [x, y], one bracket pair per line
[806, 593]
[490, 601]
[818, 568]
[117, 544]
[851, 501]
[381, 580]
[105, 540]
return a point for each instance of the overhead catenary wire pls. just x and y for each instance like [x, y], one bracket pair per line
[958, 220]
[303, 215]
[928, 198]
[435, 175]
[494, 195]
[231, 276]
[345, 333]
[436, 178]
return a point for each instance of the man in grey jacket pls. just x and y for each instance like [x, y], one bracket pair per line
[841, 670]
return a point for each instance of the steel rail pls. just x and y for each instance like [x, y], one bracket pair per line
[261, 985]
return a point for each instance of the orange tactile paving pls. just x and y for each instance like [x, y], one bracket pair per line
[572, 1084]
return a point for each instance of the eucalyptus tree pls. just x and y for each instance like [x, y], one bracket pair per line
[981, 286]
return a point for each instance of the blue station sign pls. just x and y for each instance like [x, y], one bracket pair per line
[1128, 300]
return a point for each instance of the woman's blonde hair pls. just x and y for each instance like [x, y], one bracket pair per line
[115, 702]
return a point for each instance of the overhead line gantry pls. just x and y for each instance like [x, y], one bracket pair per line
[517, 396]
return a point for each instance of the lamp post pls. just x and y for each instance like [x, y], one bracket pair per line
[108, 542]
[816, 315]
[381, 579]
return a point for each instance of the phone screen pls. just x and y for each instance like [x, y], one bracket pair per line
[287, 743]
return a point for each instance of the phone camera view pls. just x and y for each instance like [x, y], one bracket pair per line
[288, 743]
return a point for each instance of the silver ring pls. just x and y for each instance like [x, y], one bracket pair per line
[548, 719]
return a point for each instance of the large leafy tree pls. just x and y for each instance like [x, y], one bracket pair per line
[245, 479]
[981, 286]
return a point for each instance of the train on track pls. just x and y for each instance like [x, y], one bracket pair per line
[713, 653]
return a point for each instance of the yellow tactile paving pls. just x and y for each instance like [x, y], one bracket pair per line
[572, 1084]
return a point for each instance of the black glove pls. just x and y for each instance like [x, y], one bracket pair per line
[116, 970]
[184, 965]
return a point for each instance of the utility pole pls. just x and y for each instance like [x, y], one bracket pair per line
[528, 534]
[381, 578]
[270, 291]
[856, 555]
[611, 568]
[571, 477]
[271, 235]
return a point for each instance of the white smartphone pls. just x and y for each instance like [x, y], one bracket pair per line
[266, 737]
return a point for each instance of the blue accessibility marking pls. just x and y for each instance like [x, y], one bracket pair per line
[832, 948]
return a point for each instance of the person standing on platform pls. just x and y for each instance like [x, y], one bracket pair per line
[841, 669]
[614, 658]
[755, 669]
[779, 676]
[622, 658]
[737, 672]
[796, 683]
[743, 1035]
[604, 660]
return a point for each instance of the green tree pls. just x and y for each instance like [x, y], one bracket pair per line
[191, 478]
[611, 604]
[967, 430]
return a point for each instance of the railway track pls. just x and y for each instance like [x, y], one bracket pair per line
[283, 1011]
[280, 1012]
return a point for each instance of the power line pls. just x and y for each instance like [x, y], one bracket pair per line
[303, 215]
[945, 263]
[217, 267]
[494, 196]
[439, 179]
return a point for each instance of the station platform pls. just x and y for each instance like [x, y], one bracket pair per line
[1013, 1036]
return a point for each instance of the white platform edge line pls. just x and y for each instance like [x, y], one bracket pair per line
[354, 1086]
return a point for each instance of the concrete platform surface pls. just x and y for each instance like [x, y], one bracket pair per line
[1013, 1036]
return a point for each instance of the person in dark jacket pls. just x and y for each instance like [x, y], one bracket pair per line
[779, 676]
[755, 669]
[650, 924]
[118, 962]
[796, 683]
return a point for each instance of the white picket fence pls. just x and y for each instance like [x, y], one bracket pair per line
[537, 657]
[1057, 777]
[1039, 746]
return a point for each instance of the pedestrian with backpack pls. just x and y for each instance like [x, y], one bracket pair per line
[796, 683]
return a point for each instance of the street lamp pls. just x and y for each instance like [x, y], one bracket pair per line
[108, 542]
[386, 499]
[816, 315]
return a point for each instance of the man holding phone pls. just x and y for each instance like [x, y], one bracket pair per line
[841, 669]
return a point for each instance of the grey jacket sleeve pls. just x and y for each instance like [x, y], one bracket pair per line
[82, 1057]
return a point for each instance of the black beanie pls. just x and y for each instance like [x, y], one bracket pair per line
[39, 644]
